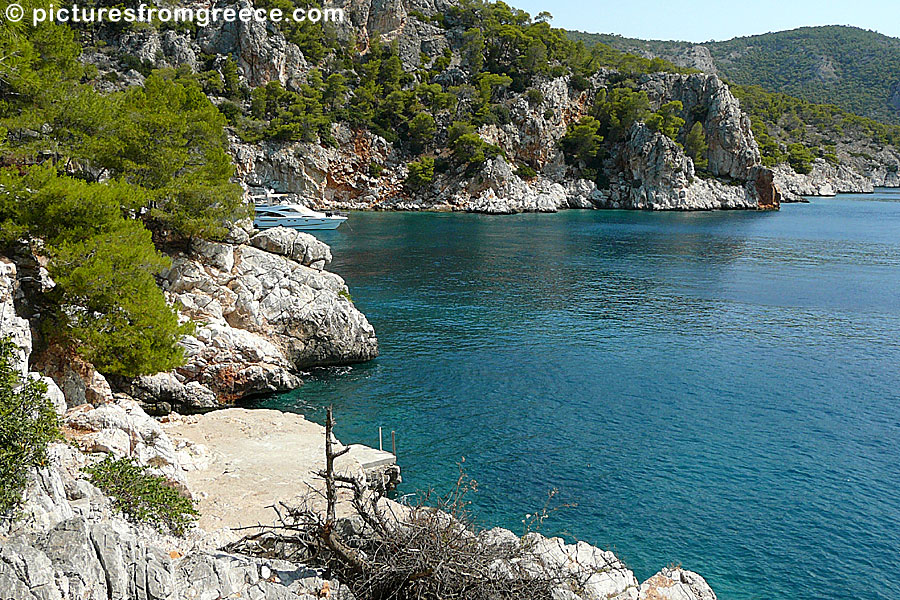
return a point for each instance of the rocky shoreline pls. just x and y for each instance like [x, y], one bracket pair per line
[68, 541]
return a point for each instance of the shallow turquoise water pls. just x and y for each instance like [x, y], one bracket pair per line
[719, 390]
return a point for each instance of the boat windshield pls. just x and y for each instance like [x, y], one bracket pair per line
[292, 210]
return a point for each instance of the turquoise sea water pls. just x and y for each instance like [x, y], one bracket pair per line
[720, 390]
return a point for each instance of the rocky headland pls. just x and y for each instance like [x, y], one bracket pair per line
[363, 171]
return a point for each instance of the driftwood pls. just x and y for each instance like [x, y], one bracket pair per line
[429, 551]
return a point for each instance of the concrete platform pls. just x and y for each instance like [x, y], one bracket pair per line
[370, 458]
[253, 459]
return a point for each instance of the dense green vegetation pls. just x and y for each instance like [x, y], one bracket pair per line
[143, 497]
[97, 178]
[788, 129]
[503, 50]
[848, 67]
[27, 425]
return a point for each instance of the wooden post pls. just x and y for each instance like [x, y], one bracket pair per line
[380, 444]
[394, 443]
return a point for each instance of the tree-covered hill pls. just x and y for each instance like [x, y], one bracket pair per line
[852, 68]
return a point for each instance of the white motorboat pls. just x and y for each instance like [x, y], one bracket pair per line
[295, 216]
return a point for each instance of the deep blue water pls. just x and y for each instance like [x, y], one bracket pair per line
[720, 390]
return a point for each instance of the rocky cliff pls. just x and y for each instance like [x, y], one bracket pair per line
[341, 175]
[264, 306]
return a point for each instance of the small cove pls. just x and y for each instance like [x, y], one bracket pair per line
[719, 390]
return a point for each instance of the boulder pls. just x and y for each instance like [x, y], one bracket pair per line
[676, 584]
[296, 245]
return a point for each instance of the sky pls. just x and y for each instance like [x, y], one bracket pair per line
[705, 20]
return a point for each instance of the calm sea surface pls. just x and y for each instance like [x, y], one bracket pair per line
[720, 390]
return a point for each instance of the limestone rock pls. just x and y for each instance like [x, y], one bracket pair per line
[661, 177]
[12, 326]
[299, 246]
[676, 584]
[732, 150]
[79, 381]
[261, 317]
[261, 51]
[71, 544]
[824, 179]
[123, 429]
[601, 573]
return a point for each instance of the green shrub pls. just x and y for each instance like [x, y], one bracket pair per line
[231, 111]
[375, 170]
[696, 146]
[422, 128]
[666, 120]
[421, 173]
[579, 82]
[470, 149]
[800, 158]
[143, 497]
[582, 144]
[526, 172]
[534, 96]
[27, 424]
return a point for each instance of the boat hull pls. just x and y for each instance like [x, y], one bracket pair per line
[301, 223]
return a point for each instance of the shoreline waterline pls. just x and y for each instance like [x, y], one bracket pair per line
[713, 388]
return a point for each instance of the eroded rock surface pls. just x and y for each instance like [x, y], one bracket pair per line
[265, 310]
[70, 544]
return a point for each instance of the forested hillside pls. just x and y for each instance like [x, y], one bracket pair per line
[854, 69]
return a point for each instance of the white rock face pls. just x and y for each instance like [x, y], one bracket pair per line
[123, 429]
[264, 312]
[12, 326]
[732, 150]
[261, 52]
[824, 179]
[676, 584]
[660, 177]
[296, 245]
[71, 544]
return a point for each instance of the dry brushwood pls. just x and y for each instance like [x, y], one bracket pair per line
[394, 552]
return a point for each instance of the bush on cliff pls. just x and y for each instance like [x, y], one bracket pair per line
[27, 425]
[581, 145]
[696, 146]
[143, 497]
[106, 302]
[421, 174]
[666, 120]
